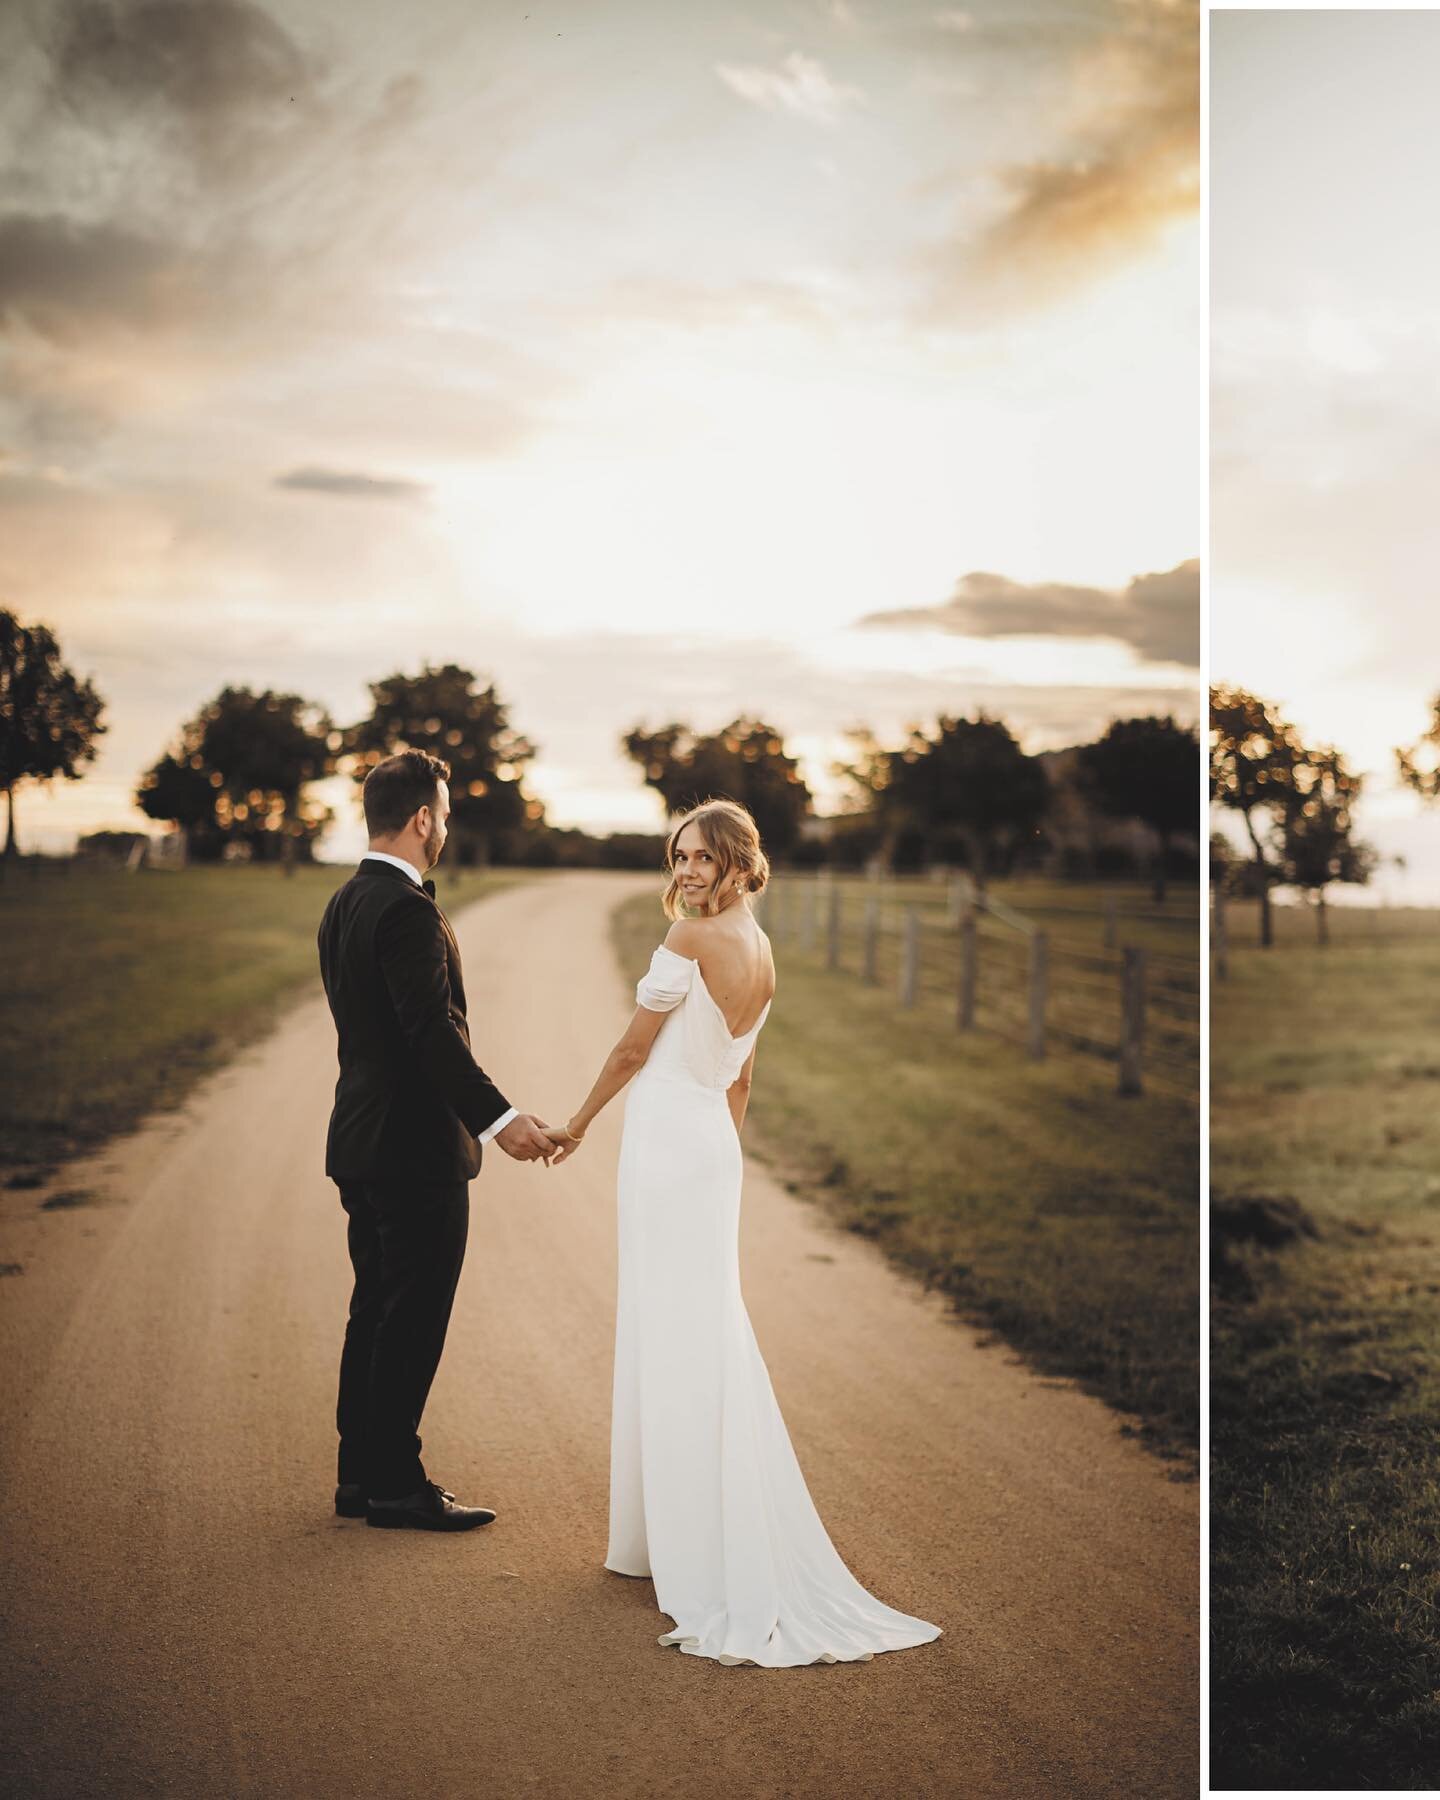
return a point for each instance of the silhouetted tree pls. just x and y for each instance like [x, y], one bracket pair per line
[971, 780]
[1253, 753]
[446, 712]
[179, 790]
[1317, 844]
[238, 774]
[746, 761]
[49, 718]
[1147, 769]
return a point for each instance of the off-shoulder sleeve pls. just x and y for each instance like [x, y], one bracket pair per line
[666, 982]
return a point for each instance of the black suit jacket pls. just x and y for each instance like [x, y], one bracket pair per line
[411, 1099]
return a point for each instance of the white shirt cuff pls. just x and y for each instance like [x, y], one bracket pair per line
[499, 1125]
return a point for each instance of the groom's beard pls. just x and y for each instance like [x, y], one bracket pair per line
[433, 846]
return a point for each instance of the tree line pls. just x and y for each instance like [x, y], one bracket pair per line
[1296, 803]
[964, 792]
[239, 772]
[238, 776]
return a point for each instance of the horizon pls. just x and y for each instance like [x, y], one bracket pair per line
[349, 831]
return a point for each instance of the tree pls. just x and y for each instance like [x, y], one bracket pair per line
[180, 790]
[445, 712]
[971, 780]
[745, 762]
[238, 775]
[1317, 845]
[49, 718]
[1253, 753]
[1147, 769]
[1419, 763]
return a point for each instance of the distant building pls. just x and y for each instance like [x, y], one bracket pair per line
[120, 849]
[132, 849]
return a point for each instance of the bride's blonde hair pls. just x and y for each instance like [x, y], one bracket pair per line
[732, 838]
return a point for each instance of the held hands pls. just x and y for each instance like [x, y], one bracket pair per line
[527, 1139]
[564, 1141]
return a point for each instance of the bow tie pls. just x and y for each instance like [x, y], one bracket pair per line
[429, 887]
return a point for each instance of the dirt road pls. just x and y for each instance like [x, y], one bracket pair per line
[184, 1615]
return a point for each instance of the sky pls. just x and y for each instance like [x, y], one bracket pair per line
[835, 362]
[1325, 372]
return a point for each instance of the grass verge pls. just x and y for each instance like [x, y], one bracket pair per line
[1042, 1204]
[1325, 1388]
[119, 991]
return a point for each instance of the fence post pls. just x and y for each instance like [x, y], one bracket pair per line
[807, 927]
[1220, 934]
[1111, 921]
[910, 958]
[832, 928]
[1132, 1018]
[872, 935]
[1039, 976]
[959, 900]
[969, 971]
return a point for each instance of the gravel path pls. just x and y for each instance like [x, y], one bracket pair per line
[183, 1614]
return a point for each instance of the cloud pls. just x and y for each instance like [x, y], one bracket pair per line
[1157, 615]
[67, 280]
[191, 192]
[175, 158]
[359, 487]
[1132, 161]
[221, 87]
[1125, 164]
[105, 323]
[799, 86]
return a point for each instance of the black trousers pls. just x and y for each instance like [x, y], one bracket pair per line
[407, 1243]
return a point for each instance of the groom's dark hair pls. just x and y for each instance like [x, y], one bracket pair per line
[397, 788]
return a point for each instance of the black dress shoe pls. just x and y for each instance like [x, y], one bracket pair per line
[350, 1500]
[431, 1508]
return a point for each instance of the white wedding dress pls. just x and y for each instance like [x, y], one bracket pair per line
[706, 1495]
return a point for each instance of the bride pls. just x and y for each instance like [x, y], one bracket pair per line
[706, 1496]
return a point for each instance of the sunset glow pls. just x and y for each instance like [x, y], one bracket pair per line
[631, 356]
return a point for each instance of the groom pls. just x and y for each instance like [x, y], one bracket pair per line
[412, 1108]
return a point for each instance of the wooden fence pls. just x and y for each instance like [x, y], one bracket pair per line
[991, 969]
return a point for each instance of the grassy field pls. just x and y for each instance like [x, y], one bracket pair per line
[119, 991]
[1347, 924]
[1084, 984]
[1325, 1383]
[1048, 1208]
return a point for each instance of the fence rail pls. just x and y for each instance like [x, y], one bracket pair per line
[993, 969]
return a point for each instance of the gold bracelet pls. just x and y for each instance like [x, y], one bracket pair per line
[574, 1136]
